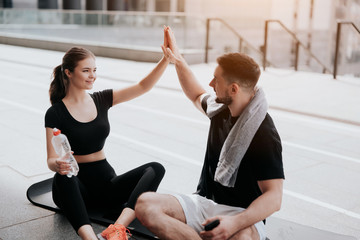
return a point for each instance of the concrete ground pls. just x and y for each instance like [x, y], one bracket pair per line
[318, 119]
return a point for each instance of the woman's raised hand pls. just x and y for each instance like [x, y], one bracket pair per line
[170, 48]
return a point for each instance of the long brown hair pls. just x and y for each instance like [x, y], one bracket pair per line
[59, 84]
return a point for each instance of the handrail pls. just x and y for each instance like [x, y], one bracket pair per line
[337, 45]
[241, 38]
[298, 44]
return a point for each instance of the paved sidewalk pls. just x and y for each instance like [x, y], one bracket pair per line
[307, 93]
[316, 99]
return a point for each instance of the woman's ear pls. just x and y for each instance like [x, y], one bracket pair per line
[67, 73]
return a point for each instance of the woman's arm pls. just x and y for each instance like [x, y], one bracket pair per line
[126, 94]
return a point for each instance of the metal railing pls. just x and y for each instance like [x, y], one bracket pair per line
[337, 45]
[242, 40]
[298, 43]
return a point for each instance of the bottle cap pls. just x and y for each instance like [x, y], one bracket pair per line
[56, 131]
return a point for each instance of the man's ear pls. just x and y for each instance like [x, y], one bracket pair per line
[234, 88]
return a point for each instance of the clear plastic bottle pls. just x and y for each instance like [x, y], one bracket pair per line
[62, 147]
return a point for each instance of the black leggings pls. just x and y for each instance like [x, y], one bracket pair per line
[97, 186]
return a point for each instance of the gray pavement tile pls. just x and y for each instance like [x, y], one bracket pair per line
[349, 146]
[280, 229]
[295, 163]
[312, 93]
[15, 208]
[54, 227]
[304, 213]
[327, 184]
[31, 161]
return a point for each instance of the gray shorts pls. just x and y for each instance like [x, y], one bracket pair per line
[197, 209]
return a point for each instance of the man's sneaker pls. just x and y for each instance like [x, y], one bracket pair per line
[115, 232]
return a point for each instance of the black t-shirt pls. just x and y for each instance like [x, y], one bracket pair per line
[84, 138]
[262, 161]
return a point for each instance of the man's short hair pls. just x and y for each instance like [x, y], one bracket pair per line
[239, 68]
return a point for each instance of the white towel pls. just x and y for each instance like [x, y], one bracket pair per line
[239, 138]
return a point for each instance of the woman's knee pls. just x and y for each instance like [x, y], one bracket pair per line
[158, 169]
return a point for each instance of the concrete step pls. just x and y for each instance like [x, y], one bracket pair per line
[111, 50]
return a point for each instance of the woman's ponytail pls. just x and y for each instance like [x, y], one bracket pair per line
[57, 89]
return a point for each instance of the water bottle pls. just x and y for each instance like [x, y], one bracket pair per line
[62, 147]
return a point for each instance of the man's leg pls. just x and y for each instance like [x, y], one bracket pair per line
[163, 215]
[249, 233]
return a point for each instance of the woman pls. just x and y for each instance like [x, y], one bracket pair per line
[82, 117]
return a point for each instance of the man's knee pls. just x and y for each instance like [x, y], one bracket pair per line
[146, 199]
[249, 233]
[245, 236]
[146, 206]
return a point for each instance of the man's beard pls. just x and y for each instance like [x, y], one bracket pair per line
[225, 100]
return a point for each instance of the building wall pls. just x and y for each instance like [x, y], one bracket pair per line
[349, 51]
[325, 12]
[229, 8]
[25, 3]
[284, 10]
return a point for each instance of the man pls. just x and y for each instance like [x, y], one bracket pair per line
[242, 177]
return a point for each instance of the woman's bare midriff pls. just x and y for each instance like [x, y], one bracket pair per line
[93, 157]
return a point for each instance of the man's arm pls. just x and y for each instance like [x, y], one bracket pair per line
[191, 87]
[266, 204]
[261, 208]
